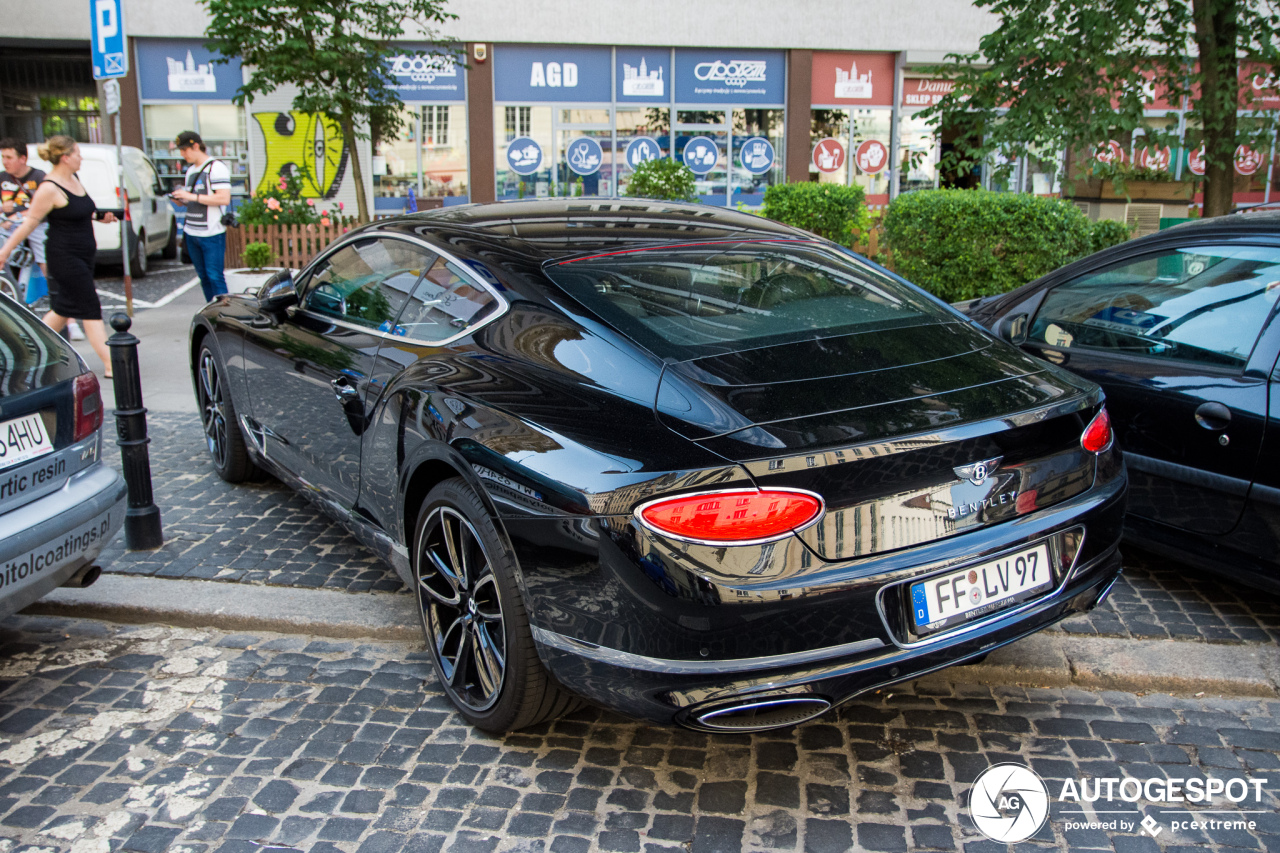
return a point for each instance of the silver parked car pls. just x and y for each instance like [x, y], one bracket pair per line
[59, 504]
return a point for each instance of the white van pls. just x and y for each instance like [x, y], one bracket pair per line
[154, 223]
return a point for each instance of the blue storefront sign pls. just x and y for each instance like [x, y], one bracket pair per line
[643, 75]
[756, 155]
[642, 149]
[524, 155]
[701, 154]
[430, 76]
[730, 76]
[183, 70]
[551, 73]
[584, 155]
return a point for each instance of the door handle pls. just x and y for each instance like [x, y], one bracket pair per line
[346, 391]
[1213, 416]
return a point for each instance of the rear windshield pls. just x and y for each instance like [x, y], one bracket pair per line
[31, 355]
[692, 301]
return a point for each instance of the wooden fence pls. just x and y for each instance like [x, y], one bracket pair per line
[294, 245]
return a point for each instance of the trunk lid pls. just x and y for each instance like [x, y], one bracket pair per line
[887, 425]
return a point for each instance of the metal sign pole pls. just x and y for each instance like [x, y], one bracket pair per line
[125, 220]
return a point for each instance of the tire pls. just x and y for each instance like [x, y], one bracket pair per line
[170, 250]
[218, 418]
[138, 265]
[465, 583]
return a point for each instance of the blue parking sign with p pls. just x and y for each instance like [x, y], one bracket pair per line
[110, 57]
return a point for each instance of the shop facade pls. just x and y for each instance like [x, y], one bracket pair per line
[487, 121]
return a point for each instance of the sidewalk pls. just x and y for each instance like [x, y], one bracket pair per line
[259, 558]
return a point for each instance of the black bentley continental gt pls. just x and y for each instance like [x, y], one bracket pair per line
[686, 463]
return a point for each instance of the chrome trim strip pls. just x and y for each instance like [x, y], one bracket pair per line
[727, 543]
[981, 622]
[503, 304]
[1233, 486]
[627, 660]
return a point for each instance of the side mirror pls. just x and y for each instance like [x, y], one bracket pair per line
[1013, 329]
[278, 292]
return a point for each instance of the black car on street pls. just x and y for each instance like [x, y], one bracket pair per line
[1180, 329]
[685, 463]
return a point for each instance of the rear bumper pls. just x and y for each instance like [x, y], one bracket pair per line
[45, 542]
[826, 641]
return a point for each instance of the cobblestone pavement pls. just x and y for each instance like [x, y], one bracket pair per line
[153, 739]
[264, 533]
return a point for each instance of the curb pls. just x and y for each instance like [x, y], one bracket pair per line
[1042, 660]
[238, 607]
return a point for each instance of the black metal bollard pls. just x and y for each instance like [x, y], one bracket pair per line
[142, 519]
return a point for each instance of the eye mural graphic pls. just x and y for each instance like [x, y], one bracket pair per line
[310, 143]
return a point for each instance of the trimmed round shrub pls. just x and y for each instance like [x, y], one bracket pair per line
[663, 179]
[834, 211]
[258, 255]
[1106, 233]
[962, 244]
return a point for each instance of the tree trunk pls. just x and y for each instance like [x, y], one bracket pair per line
[1216, 35]
[357, 172]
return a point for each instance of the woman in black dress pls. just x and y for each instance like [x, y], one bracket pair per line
[62, 201]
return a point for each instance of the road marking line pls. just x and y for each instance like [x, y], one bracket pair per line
[120, 298]
[169, 297]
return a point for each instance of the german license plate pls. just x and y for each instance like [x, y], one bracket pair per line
[967, 593]
[22, 439]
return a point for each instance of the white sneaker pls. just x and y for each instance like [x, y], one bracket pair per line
[77, 333]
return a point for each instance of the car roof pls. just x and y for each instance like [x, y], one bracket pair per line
[561, 228]
[1241, 222]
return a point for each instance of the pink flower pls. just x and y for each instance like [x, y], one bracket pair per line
[339, 207]
[283, 184]
[324, 220]
[311, 202]
[273, 204]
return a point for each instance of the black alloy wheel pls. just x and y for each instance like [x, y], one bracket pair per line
[462, 611]
[474, 618]
[218, 418]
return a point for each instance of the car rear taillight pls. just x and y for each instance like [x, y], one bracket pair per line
[1097, 435]
[739, 517]
[88, 399]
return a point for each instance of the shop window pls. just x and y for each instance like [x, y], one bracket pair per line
[748, 187]
[395, 162]
[536, 124]
[435, 125]
[653, 122]
[221, 126]
[518, 121]
[918, 155]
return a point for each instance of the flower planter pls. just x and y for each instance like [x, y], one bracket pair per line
[248, 280]
[1171, 191]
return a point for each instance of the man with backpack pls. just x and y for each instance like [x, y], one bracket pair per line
[207, 195]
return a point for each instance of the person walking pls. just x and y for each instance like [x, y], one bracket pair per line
[18, 183]
[63, 202]
[207, 194]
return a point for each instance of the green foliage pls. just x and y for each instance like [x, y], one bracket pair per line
[1053, 75]
[258, 255]
[834, 211]
[1121, 173]
[961, 244]
[1106, 233]
[664, 179]
[336, 54]
[283, 204]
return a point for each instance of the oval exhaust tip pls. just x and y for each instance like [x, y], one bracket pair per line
[760, 713]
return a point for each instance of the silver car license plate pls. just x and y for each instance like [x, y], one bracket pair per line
[973, 591]
[23, 439]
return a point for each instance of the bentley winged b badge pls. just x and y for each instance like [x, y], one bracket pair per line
[978, 472]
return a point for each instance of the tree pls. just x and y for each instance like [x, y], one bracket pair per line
[336, 52]
[1070, 74]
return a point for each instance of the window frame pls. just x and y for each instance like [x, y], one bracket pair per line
[1150, 253]
[305, 279]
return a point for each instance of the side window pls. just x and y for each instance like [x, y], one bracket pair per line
[445, 303]
[1203, 304]
[367, 282]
